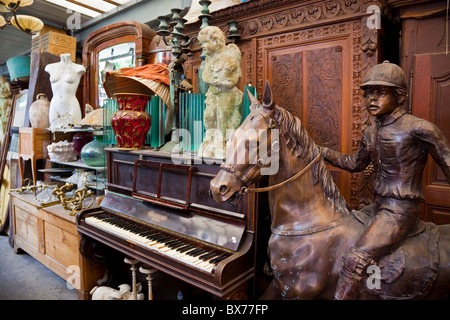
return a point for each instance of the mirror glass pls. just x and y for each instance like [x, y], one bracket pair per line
[114, 58]
[20, 108]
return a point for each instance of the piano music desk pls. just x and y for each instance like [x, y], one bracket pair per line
[50, 236]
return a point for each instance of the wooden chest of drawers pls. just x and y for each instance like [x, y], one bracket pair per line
[50, 236]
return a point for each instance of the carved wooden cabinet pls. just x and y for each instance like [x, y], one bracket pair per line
[427, 67]
[314, 54]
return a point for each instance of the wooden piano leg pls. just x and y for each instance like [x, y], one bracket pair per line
[239, 293]
[149, 272]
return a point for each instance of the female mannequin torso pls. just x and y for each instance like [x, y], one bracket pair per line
[64, 78]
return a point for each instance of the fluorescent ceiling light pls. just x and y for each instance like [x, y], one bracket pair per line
[91, 8]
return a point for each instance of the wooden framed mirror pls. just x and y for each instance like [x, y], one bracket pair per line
[123, 44]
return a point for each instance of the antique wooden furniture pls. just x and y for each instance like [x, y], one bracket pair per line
[152, 202]
[50, 236]
[314, 54]
[125, 31]
[32, 146]
[427, 68]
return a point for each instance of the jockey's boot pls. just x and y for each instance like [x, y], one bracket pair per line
[355, 262]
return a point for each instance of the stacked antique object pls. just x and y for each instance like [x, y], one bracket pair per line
[55, 41]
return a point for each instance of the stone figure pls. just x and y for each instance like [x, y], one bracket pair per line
[223, 99]
[398, 145]
[64, 78]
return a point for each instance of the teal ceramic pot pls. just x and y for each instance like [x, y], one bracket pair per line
[93, 153]
[18, 67]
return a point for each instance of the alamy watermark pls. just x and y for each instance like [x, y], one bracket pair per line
[374, 20]
[74, 20]
[73, 280]
[250, 147]
[374, 279]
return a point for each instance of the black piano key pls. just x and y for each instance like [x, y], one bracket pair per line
[207, 256]
[146, 233]
[163, 239]
[176, 245]
[168, 243]
[218, 259]
[185, 248]
[196, 252]
[155, 236]
[166, 240]
[191, 252]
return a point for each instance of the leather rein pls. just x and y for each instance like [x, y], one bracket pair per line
[246, 189]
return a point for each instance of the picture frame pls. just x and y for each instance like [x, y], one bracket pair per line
[19, 104]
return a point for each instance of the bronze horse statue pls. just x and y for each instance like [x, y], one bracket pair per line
[312, 226]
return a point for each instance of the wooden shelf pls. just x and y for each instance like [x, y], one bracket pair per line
[79, 164]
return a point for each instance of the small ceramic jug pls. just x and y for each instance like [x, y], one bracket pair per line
[39, 112]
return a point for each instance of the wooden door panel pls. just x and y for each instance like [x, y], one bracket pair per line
[309, 81]
[431, 93]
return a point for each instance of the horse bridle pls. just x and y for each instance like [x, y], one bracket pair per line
[244, 178]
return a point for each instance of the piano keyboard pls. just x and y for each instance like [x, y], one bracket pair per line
[157, 241]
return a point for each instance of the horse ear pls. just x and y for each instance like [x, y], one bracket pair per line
[267, 100]
[251, 97]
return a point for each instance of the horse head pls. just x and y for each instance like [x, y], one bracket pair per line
[252, 150]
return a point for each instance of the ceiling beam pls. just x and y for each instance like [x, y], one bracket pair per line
[112, 2]
[86, 6]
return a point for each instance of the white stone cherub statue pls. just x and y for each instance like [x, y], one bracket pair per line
[222, 71]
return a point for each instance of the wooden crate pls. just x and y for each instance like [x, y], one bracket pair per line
[55, 43]
[50, 236]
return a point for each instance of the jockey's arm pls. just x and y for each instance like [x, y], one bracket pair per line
[438, 145]
[354, 163]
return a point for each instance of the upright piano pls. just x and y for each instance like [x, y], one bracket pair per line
[157, 210]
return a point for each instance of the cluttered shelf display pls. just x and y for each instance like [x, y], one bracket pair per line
[59, 135]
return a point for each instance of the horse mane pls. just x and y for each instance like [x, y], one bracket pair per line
[300, 143]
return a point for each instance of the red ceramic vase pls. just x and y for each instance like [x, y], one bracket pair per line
[131, 123]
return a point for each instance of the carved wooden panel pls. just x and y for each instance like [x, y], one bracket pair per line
[325, 96]
[286, 78]
[308, 74]
[314, 54]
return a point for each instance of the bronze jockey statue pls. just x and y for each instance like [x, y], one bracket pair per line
[398, 145]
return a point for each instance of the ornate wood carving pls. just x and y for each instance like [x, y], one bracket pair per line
[324, 116]
[315, 54]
